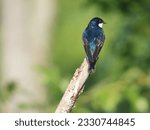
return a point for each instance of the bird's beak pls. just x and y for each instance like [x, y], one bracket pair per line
[104, 22]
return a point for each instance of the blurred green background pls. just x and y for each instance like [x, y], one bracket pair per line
[121, 82]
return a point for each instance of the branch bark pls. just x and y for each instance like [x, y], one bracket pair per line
[74, 89]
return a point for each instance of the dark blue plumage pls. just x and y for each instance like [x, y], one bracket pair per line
[93, 38]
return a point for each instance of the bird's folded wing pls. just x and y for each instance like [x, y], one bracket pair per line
[98, 47]
[88, 52]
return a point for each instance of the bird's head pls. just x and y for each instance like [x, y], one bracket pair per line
[97, 22]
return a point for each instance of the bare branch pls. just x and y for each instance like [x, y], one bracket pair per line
[74, 89]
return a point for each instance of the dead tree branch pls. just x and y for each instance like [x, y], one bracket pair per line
[74, 89]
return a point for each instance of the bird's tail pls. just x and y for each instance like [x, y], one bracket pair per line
[92, 66]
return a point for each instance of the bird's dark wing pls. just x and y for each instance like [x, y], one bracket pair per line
[98, 47]
[87, 49]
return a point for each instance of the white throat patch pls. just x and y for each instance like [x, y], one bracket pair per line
[100, 25]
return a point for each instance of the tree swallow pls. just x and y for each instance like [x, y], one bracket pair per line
[93, 38]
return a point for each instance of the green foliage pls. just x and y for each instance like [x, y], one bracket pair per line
[129, 93]
[6, 92]
[55, 85]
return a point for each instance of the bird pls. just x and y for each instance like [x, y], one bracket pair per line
[93, 38]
